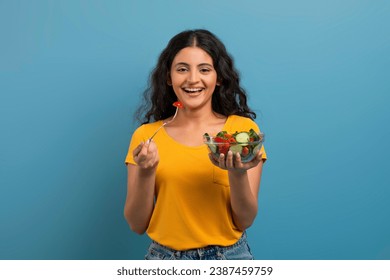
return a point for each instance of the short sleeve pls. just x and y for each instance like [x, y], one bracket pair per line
[136, 139]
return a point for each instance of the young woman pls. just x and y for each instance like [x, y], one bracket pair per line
[191, 205]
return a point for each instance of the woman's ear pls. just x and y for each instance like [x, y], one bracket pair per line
[169, 81]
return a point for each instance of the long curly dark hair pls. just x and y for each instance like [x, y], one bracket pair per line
[228, 98]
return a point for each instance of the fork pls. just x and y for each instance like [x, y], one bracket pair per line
[164, 124]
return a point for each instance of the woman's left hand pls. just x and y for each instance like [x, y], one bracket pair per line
[234, 163]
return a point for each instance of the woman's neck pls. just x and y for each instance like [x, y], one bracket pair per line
[188, 127]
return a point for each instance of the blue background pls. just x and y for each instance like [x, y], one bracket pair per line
[317, 74]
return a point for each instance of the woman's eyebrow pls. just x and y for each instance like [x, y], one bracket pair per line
[201, 64]
[182, 63]
[206, 64]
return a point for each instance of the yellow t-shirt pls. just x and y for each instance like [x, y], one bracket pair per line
[192, 205]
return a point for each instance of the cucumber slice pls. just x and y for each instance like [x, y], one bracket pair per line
[236, 149]
[242, 137]
[213, 148]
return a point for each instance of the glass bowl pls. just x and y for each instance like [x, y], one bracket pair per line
[247, 144]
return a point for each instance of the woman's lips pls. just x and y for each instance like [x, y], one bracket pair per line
[193, 90]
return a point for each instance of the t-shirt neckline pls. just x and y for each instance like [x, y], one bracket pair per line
[191, 147]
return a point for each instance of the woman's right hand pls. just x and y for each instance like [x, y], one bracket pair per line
[146, 155]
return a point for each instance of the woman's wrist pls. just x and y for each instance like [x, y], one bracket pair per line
[147, 172]
[237, 172]
[237, 177]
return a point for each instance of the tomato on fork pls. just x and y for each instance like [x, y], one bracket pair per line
[178, 104]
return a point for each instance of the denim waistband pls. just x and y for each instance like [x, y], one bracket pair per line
[204, 251]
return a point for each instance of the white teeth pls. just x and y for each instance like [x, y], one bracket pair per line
[193, 89]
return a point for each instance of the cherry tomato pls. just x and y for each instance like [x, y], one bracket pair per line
[245, 151]
[219, 140]
[178, 104]
[223, 149]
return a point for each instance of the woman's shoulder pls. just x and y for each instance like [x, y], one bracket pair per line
[239, 118]
[235, 119]
[242, 123]
[147, 127]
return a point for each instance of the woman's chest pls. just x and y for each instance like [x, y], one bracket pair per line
[192, 136]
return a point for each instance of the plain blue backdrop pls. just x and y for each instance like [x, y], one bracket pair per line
[317, 74]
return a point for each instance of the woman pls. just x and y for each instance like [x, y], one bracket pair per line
[191, 205]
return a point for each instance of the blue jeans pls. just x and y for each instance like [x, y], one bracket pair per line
[238, 251]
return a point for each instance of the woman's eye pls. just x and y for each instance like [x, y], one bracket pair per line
[205, 70]
[181, 69]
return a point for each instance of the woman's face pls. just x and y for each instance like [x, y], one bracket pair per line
[193, 77]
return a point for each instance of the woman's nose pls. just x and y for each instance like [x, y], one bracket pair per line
[193, 77]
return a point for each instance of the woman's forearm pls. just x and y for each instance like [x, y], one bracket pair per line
[140, 198]
[243, 200]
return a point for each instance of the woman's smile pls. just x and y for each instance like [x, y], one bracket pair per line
[193, 92]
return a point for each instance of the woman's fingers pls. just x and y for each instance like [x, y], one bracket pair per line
[229, 160]
[221, 161]
[237, 162]
[141, 151]
[233, 161]
[137, 150]
[145, 154]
